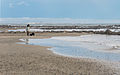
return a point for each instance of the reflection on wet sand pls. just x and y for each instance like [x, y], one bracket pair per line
[26, 41]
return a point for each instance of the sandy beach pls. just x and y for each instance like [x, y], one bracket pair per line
[59, 37]
[19, 59]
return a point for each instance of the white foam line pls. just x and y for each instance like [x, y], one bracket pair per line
[70, 30]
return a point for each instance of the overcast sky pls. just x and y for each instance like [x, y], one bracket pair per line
[76, 9]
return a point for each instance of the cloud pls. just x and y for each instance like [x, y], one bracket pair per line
[22, 3]
[16, 4]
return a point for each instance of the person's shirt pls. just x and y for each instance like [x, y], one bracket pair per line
[27, 29]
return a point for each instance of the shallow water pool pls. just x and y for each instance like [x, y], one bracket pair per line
[73, 49]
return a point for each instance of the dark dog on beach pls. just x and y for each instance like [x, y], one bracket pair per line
[32, 34]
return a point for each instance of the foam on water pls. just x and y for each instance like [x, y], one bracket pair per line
[41, 30]
[1, 31]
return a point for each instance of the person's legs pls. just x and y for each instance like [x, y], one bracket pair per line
[27, 33]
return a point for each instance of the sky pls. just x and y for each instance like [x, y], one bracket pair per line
[80, 9]
[73, 9]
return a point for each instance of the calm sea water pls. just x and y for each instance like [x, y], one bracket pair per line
[57, 21]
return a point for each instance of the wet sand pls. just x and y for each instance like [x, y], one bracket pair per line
[19, 59]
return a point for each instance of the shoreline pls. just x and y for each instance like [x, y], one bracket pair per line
[111, 64]
[29, 60]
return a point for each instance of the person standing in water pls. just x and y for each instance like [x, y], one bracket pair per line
[28, 29]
